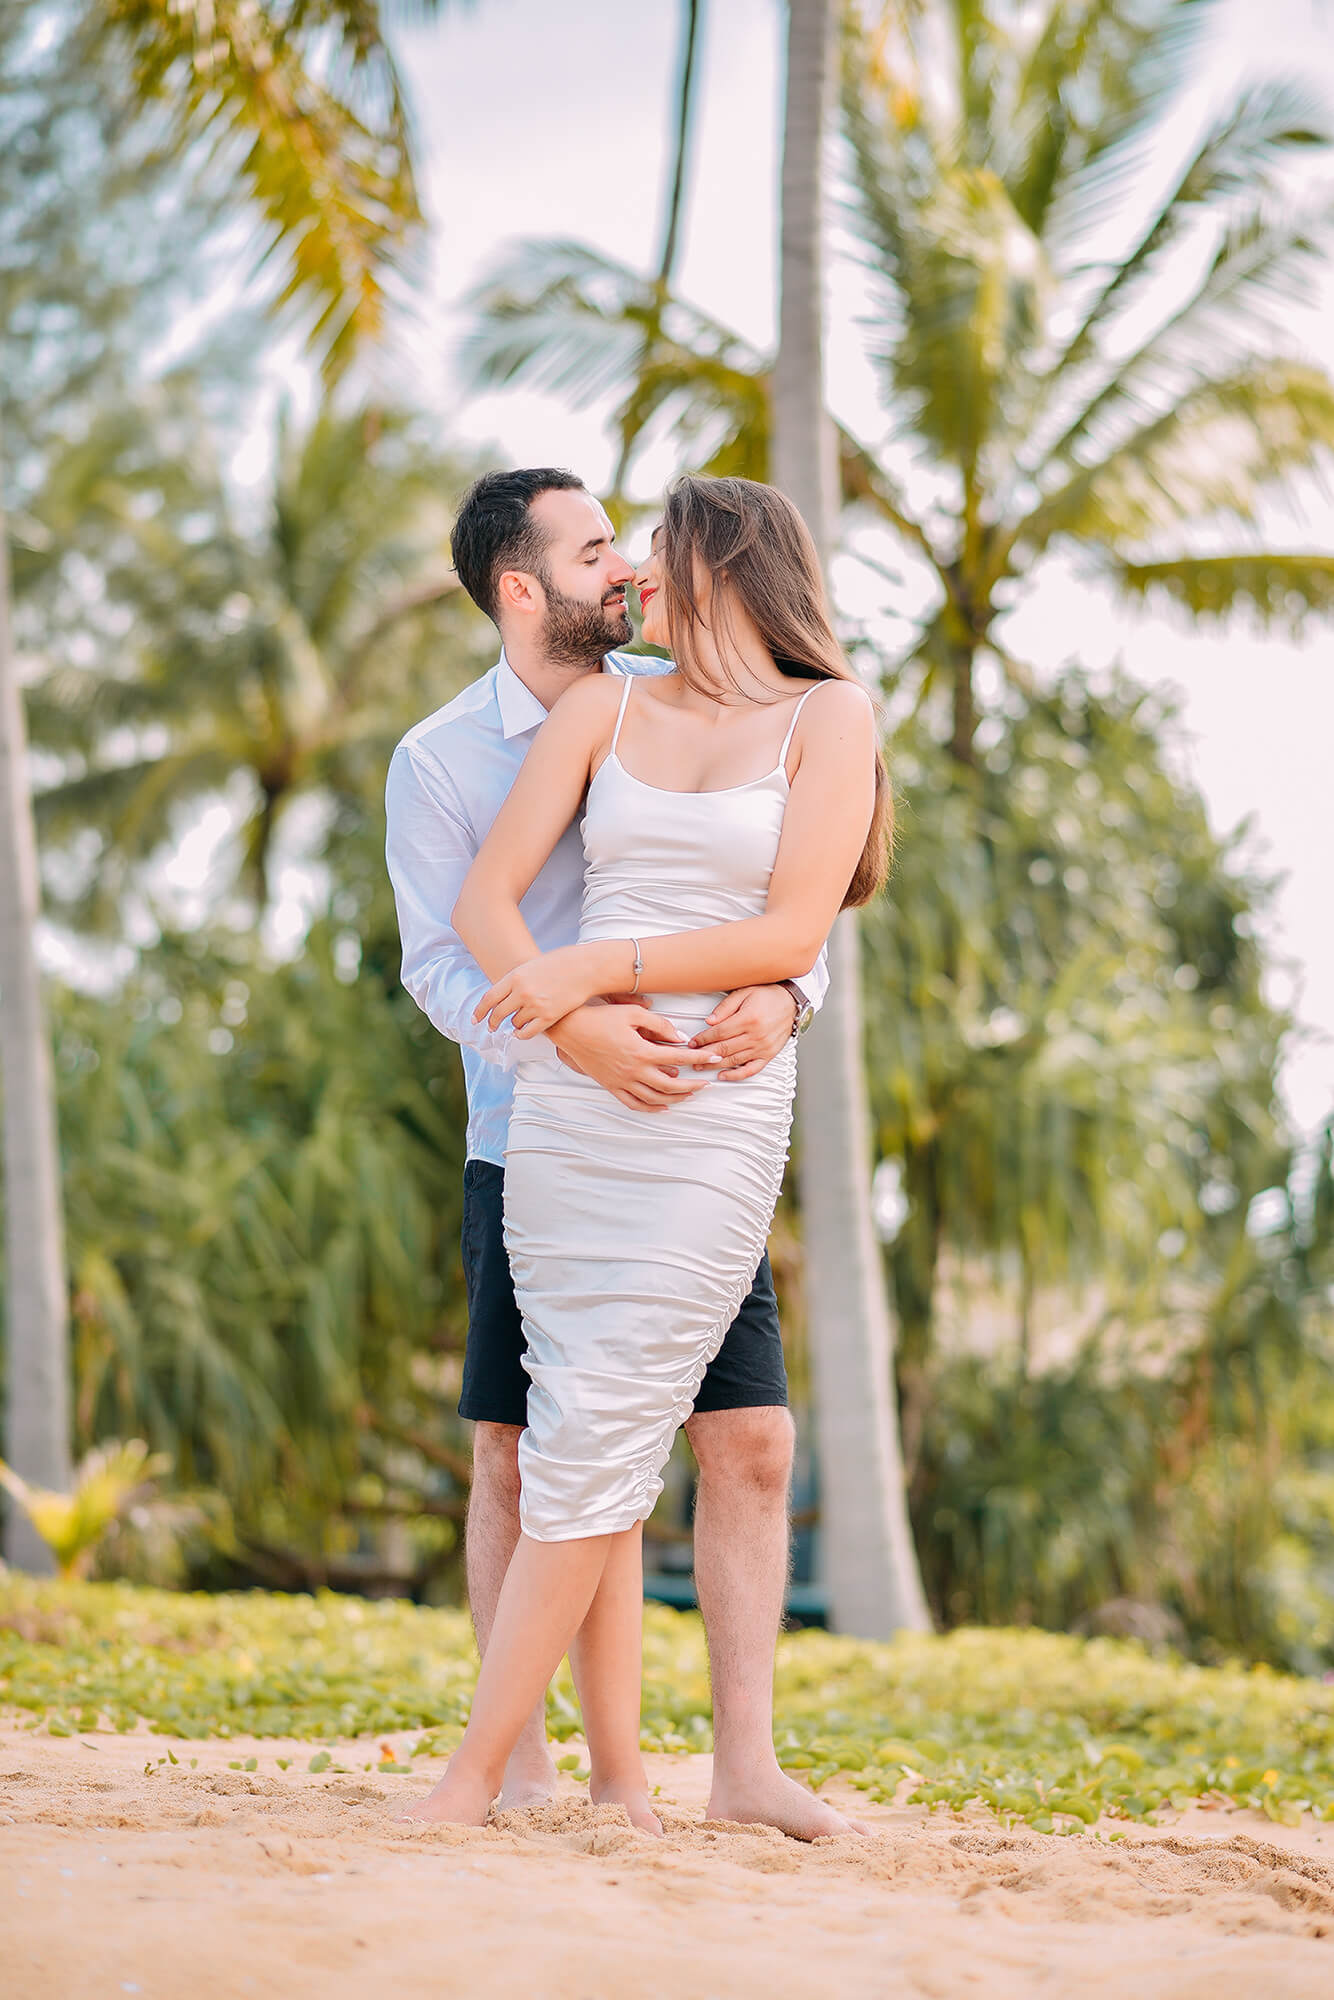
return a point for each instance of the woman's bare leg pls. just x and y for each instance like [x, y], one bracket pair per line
[607, 1656]
[545, 1597]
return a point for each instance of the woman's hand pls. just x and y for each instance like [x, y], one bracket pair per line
[543, 990]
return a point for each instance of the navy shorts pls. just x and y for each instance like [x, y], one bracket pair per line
[746, 1373]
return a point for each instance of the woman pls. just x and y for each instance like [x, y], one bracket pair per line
[730, 809]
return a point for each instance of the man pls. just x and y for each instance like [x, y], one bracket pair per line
[536, 552]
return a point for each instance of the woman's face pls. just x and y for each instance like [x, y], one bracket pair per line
[648, 582]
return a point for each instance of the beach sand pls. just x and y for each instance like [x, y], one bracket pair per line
[209, 1883]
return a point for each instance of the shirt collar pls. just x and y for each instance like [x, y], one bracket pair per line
[520, 709]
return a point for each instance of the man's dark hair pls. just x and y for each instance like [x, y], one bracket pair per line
[495, 530]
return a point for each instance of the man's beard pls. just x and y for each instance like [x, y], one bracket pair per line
[579, 634]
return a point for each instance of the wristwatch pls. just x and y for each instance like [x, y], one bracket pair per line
[805, 1012]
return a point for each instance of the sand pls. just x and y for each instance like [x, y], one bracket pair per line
[198, 1884]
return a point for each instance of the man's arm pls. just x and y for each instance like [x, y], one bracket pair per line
[429, 847]
[814, 985]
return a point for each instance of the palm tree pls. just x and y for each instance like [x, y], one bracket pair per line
[37, 1377]
[659, 296]
[1071, 1060]
[870, 1565]
[262, 1180]
[1048, 394]
[1132, 405]
[267, 663]
[312, 95]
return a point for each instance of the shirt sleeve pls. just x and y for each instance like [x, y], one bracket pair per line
[813, 985]
[429, 847]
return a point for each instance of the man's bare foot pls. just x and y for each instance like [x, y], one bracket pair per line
[770, 1799]
[530, 1780]
[458, 1800]
[632, 1793]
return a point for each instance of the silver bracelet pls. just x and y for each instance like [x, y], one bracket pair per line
[639, 964]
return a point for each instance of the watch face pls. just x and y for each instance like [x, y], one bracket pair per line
[805, 1017]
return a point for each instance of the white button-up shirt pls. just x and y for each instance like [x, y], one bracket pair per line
[448, 779]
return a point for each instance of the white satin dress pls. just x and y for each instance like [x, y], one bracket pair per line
[634, 1236]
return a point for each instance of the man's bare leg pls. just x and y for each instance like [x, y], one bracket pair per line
[741, 1554]
[491, 1535]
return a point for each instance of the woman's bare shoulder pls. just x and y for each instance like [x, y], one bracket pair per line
[588, 704]
[592, 692]
[837, 707]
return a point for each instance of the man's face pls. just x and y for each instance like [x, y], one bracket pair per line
[584, 580]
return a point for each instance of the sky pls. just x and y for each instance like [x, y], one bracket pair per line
[537, 120]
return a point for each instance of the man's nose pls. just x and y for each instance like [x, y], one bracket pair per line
[621, 570]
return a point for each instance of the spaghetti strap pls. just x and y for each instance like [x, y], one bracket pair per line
[791, 728]
[629, 680]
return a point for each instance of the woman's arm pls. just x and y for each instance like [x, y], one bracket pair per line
[543, 800]
[825, 826]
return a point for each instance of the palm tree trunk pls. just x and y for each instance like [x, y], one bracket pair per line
[36, 1317]
[870, 1563]
[964, 706]
[691, 21]
[685, 108]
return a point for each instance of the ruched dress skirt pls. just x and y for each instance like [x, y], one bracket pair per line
[633, 1237]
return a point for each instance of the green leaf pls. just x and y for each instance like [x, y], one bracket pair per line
[1284, 591]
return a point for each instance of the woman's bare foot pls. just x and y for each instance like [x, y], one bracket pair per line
[630, 1792]
[460, 1799]
[767, 1798]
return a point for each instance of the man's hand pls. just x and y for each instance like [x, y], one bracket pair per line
[635, 1054]
[748, 1029]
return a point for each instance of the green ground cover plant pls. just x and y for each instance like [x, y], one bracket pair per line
[1036, 1726]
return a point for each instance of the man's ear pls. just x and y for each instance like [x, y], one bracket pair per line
[519, 592]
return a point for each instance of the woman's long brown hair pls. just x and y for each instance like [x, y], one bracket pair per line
[758, 553]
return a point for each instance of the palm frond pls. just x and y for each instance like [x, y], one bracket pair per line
[1074, 89]
[1213, 454]
[555, 316]
[969, 283]
[1134, 63]
[1261, 270]
[1284, 591]
[897, 155]
[308, 108]
[133, 803]
[562, 317]
[862, 478]
[1241, 155]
